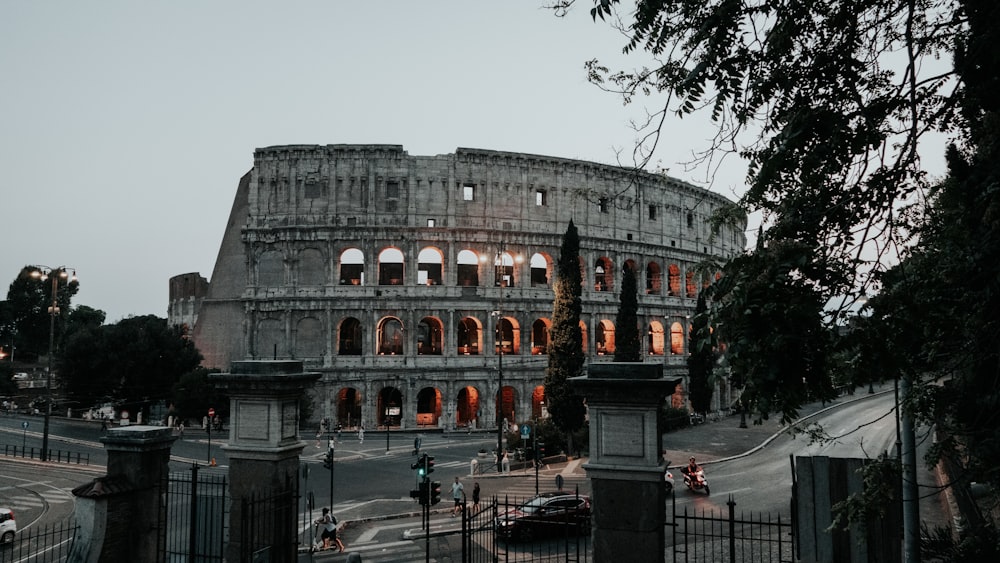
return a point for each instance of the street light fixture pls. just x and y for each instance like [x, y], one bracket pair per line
[44, 273]
[502, 261]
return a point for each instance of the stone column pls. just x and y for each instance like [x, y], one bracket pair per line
[263, 450]
[120, 514]
[626, 468]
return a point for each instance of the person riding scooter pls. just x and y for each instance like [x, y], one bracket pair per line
[694, 476]
[691, 469]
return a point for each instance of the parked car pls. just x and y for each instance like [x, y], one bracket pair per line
[8, 526]
[546, 514]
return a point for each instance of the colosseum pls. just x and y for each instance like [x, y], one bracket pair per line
[421, 286]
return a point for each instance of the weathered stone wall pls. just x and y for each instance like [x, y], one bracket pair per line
[279, 289]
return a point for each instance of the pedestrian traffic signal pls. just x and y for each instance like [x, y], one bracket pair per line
[328, 460]
[435, 492]
[428, 464]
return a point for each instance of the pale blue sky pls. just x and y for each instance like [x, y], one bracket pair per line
[125, 126]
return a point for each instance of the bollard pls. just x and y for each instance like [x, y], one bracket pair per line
[473, 465]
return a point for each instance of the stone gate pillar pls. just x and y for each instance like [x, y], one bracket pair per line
[263, 450]
[625, 467]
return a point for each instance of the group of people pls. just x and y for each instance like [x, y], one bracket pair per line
[458, 495]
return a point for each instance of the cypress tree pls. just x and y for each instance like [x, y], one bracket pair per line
[702, 360]
[627, 348]
[566, 357]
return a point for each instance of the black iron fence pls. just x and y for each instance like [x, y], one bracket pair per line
[267, 526]
[725, 536]
[54, 455]
[196, 516]
[502, 532]
[42, 544]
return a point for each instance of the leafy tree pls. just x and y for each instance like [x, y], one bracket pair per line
[566, 357]
[134, 360]
[627, 322]
[701, 362]
[193, 395]
[25, 317]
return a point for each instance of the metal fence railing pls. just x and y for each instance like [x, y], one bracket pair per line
[40, 544]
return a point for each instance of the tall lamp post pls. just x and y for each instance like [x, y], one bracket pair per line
[500, 265]
[44, 273]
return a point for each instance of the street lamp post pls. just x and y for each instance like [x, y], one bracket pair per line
[501, 280]
[55, 274]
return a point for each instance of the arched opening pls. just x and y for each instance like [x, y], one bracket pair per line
[430, 337]
[348, 407]
[468, 338]
[390, 337]
[676, 339]
[603, 275]
[468, 268]
[503, 270]
[350, 337]
[692, 287]
[508, 398]
[674, 280]
[605, 338]
[352, 267]
[583, 336]
[428, 406]
[429, 267]
[540, 337]
[390, 406]
[508, 336]
[309, 338]
[390, 267]
[270, 339]
[468, 407]
[538, 409]
[540, 274]
[657, 340]
[654, 279]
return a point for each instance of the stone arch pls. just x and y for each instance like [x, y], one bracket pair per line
[428, 406]
[583, 336]
[430, 266]
[657, 339]
[390, 337]
[605, 337]
[676, 339]
[467, 268]
[469, 409]
[540, 336]
[674, 280]
[508, 336]
[504, 274]
[390, 406]
[309, 341]
[538, 410]
[604, 275]
[690, 285]
[654, 279]
[541, 270]
[430, 336]
[506, 404]
[391, 266]
[349, 402]
[270, 268]
[469, 336]
[351, 338]
[311, 267]
[352, 267]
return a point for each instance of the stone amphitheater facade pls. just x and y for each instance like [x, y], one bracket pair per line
[415, 283]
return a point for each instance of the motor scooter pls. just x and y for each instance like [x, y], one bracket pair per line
[696, 481]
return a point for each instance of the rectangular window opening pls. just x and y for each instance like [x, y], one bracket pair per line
[468, 192]
[540, 198]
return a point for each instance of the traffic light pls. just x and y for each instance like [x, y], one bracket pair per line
[418, 466]
[423, 491]
[539, 451]
[415, 493]
[428, 464]
[328, 460]
[435, 492]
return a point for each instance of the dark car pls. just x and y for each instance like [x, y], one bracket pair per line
[545, 514]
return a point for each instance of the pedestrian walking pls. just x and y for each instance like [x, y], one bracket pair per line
[457, 493]
[361, 434]
[475, 497]
[505, 462]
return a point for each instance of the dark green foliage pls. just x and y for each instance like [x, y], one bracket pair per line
[25, 319]
[675, 418]
[193, 395]
[566, 357]
[701, 362]
[134, 360]
[627, 345]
